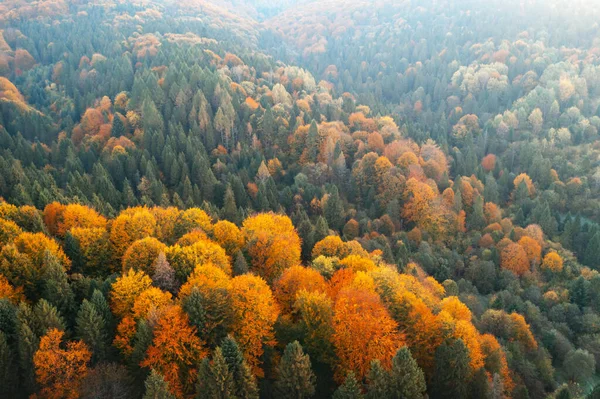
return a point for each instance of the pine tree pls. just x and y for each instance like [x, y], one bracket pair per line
[321, 229]
[451, 376]
[157, 387]
[592, 252]
[240, 266]
[229, 211]
[118, 129]
[334, 210]
[312, 142]
[215, 380]
[350, 389]
[8, 375]
[378, 382]
[295, 378]
[56, 285]
[244, 381]
[193, 305]
[407, 380]
[91, 329]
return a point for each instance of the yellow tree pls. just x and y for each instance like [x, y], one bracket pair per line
[142, 254]
[131, 225]
[255, 313]
[272, 243]
[229, 236]
[126, 290]
[185, 259]
[552, 262]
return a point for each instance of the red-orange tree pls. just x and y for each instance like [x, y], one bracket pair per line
[514, 258]
[176, 351]
[60, 370]
[363, 331]
[293, 280]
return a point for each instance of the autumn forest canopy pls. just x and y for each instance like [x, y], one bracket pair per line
[299, 199]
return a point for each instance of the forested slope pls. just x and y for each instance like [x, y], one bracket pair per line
[234, 198]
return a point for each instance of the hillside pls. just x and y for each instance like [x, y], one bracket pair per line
[235, 198]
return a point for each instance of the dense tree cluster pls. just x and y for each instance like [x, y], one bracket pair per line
[341, 200]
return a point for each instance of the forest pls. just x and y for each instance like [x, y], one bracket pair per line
[348, 199]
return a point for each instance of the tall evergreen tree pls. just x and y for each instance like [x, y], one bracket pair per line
[244, 381]
[215, 380]
[91, 329]
[350, 389]
[407, 380]
[334, 210]
[295, 378]
[452, 372]
[157, 387]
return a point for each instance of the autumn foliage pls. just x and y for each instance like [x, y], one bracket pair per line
[60, 368]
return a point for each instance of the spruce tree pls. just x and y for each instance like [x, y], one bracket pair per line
[378, 382]
[591, 256]
[244, 381]
[8, 369]
[334, 210]
[118, 129]
[215, 380]
[350, 389]
[157, 387]
[229, 211]
[407, 380]
[451, 376]
[56, 285]
[90, 327]
[295, 378]
[312, 142]
[321, 229]
[240, 265]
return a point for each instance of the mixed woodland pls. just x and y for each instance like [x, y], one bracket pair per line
[307, 199]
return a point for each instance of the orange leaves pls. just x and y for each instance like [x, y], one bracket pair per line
[61, 218]
[553, 262]
[15, 295]
[60, 370]
[330, 246]
[293, 280]
[363, 331]
[358, 263]
[273, 244]
[514, 258]
[524, 178]
[520, 331]
[423, 207]
[488, 162]
[251, 103]
[150, 300]
[333, 246]
[176, 351]
[532, 249]
[255, 313]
